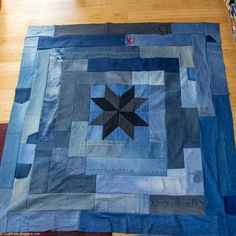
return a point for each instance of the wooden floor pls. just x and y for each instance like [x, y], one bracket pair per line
[16, 16]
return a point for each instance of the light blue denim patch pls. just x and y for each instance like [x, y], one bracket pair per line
[26, 153]
[8, 166]
[5, 197]
[122, 203]
[25, 78]
[75, 166]
[151, 150]
[153, 185]
[36, 31]
[193, 166]
[104, 148]
[31, 126]
[95, 131]
[65, 202]
[141, 134]
[39, 83]
[31, 42]
[205, 104]
[75, 65]
[125, 166]
[184, 53]
[95, 78]
[156, 98]
[97, 91]
[157, 125]
[188, 90]
[148, 77]
[77, 139]
[50, 102]
[17, 118]
[28, 57]
[157, 128]
[42, 221]
[142, 91]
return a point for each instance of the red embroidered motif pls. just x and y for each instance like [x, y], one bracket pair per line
[130, 40]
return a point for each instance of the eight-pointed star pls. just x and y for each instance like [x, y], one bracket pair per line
[119, 111]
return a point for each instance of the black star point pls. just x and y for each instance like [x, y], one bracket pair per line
[119, 111]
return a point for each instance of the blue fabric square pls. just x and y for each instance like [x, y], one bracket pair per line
[191, 74]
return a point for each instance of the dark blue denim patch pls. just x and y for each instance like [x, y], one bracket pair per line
[230, 205]
[210, 39]
[226, 153]
[213, 198]
[80, 41]
[61, 139]
[22, 95]
[154, 224]
[32, 138]
[22, 170]
[58, 183]
[191, 74]
[191, 128]
[134, 64]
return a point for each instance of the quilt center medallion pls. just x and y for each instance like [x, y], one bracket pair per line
[119, 111]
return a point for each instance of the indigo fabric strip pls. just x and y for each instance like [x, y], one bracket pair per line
[80, 41]
[134, 64]
[226, 153]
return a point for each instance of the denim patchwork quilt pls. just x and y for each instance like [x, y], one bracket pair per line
[121, 128]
